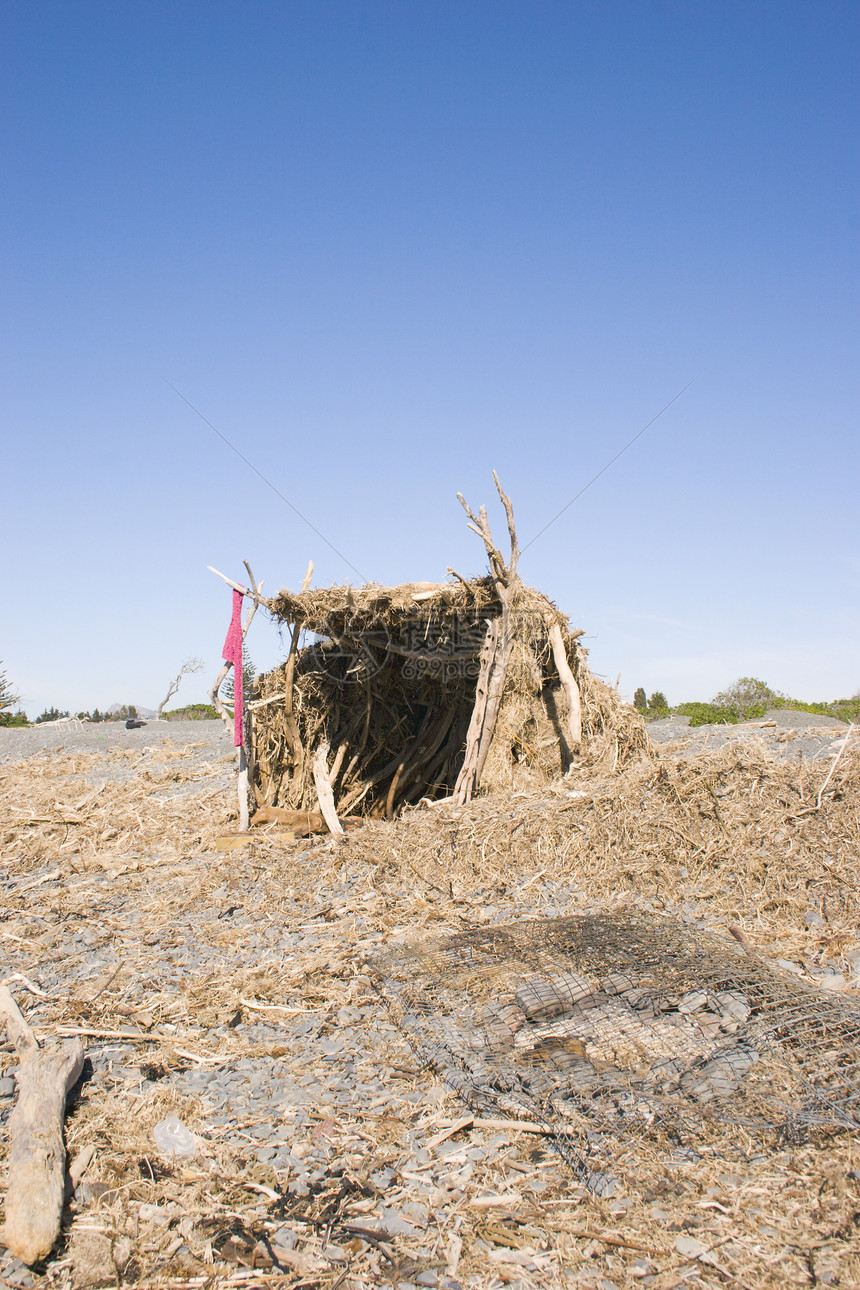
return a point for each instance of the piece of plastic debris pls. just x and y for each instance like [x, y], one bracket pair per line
[173, 1138]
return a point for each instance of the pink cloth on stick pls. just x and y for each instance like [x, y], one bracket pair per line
[232, 653]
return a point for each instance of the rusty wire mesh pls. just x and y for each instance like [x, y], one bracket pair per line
[617, 1029]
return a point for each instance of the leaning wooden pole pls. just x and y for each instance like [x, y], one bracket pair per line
[568, 684]
[37, 1154]
[323, 780]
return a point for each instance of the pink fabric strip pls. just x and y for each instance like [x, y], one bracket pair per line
[232, 653]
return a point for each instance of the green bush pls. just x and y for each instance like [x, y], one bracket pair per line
[748, 699]
[13, 719]
[191, 712]
[640, 702]
[845, 709]
[707, 714]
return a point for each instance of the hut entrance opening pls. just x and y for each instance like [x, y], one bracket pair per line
[387, 679]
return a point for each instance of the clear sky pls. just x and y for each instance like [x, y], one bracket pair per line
[387, 247]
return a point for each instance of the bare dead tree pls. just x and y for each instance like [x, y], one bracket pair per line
[190, 665]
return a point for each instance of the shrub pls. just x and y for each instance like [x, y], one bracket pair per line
[192, 712]
[707, 714]
[748, 697]
[18, 718]
[639, 700]
[658, 706]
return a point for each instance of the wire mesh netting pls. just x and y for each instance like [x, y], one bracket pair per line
[612, 1029]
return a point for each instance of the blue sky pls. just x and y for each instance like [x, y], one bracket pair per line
[387, 247]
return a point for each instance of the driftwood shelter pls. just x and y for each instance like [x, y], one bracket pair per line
[428, 690]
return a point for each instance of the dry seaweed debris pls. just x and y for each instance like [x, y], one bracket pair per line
[735, 834]
[143, 808]
[497, 1207]
[427, 690]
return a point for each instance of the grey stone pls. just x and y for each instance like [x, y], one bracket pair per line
[17, 1273]
[7, 1087]
[265, 1130]
[813, 919]
[286, 1238]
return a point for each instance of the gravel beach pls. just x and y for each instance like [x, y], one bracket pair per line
[786, 734]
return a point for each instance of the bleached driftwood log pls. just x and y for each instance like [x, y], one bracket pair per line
[571, 689]
[323, 780]
[37, 1154]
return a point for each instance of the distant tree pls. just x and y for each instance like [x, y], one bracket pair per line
[96, 715]
[190, 665]
[658, 702]
[249, 673]
[7, 700]
[50, 714]
[639, 700]
[748, 696]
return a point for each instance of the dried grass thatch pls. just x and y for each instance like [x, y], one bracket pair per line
[426, 689]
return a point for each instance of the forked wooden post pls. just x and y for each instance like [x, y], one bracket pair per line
[242, 785]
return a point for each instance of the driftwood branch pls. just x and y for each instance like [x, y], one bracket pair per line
[37, 1154]
[571, 689]
[467, 779]
[325, 794]
[496, 652]
[254, 591]
[836, 761]
[512, 528]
